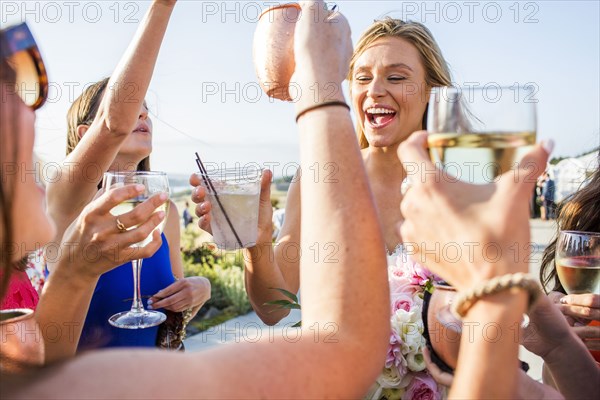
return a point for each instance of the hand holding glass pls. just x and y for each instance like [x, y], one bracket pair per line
[154, 182]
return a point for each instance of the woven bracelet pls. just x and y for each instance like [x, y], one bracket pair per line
[320, 105]
[465, 300]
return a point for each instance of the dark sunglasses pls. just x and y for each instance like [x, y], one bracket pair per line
[19, 49]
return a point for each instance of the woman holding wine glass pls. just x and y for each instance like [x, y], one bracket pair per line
[578, 299]
[106, 133]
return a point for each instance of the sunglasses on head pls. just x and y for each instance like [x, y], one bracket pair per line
[19, 49]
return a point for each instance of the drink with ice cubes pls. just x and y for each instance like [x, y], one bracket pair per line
[238, 192]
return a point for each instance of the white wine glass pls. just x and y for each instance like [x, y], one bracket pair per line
[153, 182]
[577, 261]
[477, 134]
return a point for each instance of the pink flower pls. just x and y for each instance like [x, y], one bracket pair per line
[399, 283]
[394, 358]
[422, 387]
[401, 301]
[415, 273]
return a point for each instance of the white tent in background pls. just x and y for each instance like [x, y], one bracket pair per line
[570, 173]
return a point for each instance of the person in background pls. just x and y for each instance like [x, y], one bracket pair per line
[548, 191]
[186, 216]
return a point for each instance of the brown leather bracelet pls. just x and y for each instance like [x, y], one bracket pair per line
[320, 105]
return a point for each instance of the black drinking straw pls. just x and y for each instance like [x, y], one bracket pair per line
[209, 184]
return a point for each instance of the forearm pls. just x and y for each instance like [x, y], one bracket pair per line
[574, 380]
[61, 312]
[262, 277]
[330, 224]
[528, 388]
[488, 358]
[129, 82]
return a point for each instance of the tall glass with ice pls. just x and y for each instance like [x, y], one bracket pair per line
[234, 196]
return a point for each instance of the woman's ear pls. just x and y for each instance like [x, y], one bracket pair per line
[81, 130]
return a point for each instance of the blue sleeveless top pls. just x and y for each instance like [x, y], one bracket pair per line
[114, 293]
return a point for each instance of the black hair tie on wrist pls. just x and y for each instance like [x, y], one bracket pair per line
[320, 105]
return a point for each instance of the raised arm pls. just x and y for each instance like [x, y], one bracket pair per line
[115, 120]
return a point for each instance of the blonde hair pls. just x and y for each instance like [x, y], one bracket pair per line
[437, 72]
[84, 110]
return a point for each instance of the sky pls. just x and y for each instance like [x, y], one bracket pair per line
[204, 95]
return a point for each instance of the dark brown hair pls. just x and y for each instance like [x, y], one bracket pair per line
[579, 212]
[84, 110]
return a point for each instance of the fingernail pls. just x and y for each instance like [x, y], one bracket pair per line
[149, 307]
[548, 145]
[150, 302]
[161, 214]
[163, 196]
[563, 300]
[139, 187]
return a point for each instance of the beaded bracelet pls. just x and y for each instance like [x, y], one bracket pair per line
[324, 104]
[465, 300]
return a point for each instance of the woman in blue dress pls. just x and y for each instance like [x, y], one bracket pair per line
[109, 130]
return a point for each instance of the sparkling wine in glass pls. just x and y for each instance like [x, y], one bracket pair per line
[578, 261]
[477, 134]
[154, 182]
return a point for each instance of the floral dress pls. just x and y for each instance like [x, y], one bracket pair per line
[404, 375]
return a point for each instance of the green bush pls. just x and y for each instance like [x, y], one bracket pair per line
[224, 270]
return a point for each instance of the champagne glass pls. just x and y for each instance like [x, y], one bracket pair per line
[154, 182]
[477, 134]
[578, 261]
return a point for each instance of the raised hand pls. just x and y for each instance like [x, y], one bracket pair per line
[93, 243]
[265, 212]
[474, 219]
[315, 62]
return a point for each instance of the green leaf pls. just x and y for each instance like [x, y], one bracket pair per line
[297, 324]
[283, 304]
[287, 294]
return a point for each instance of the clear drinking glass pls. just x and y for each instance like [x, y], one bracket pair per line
[578, 261]
[154, 182]
[234, 195]
[477, 134]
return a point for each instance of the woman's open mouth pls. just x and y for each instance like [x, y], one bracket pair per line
[379, 117]
[142, 129]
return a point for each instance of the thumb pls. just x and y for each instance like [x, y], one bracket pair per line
[415, 158]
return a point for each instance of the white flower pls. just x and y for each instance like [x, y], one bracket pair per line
[416, 362]
[389, 378]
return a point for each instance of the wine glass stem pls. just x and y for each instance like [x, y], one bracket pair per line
[137, 305]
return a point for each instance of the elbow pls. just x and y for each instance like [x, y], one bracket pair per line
[270, 318]
[116, 125]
